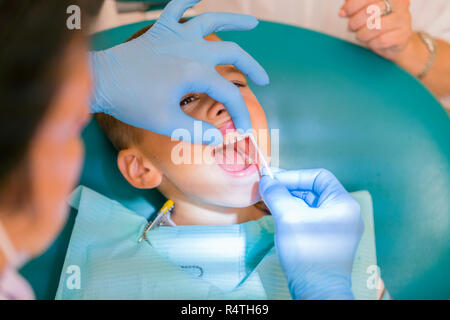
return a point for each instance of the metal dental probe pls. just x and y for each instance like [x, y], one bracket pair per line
[166, 209]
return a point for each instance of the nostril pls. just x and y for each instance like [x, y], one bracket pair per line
[217, 110]
[221, 109]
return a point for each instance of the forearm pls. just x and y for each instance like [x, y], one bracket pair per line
[415, 57]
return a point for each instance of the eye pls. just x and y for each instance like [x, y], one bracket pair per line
[187, 100]
[240, 84]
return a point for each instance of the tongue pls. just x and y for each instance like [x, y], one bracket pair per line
[230, 160]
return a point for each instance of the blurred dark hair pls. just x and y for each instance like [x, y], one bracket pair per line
[33, 39]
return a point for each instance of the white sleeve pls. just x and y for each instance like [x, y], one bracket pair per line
[432, 16]
[318, 15]
[236, 6]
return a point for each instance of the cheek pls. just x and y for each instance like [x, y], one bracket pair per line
[257, 115]
[177, 160]
[55, 164]
[203, 181]
[56, 151]
[199, 177]
[259, 124]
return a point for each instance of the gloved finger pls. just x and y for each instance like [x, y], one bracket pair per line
[188, 129]
[308, 196]
[175, 9]
[319, 181]
[277, 197]
[325, 186]
[274, 170]
[230, 53]
[210, 22]
[222, 90]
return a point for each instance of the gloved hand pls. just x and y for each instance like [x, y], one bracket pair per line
[317, 230]
[141, 82]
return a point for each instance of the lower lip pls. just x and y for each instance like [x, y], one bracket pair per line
[251, 169]
[243, 173]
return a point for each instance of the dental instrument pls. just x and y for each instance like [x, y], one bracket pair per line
[160, 218]
[260, 154]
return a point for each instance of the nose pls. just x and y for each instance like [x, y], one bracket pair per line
[217, 111]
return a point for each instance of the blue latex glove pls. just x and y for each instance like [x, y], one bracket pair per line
[141, 82]
[318, 229]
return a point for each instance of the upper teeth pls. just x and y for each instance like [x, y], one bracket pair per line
[233, 137]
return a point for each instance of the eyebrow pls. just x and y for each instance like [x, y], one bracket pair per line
[231, 69]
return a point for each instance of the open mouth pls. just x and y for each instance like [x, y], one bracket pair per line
[237, 155]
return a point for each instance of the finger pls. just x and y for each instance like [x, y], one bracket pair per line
[387, 40]
[222, 90]
[274, 170]
[230, 53]
[314, 180]
[351, 7]
[388, 23]
[309, 197]
[188, 129]
[210, 22]
[175, 9]
[277, 197]
[362, 17]
[325, 187]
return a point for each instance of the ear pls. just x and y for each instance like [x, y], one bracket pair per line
[138, 170]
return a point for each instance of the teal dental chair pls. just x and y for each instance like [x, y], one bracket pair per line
[340, 107]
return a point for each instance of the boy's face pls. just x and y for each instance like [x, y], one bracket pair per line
[225, 176]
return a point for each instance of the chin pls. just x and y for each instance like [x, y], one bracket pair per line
[244, 203]
[241, 196]
[228, 203]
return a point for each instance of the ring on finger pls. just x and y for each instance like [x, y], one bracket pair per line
[388, 9]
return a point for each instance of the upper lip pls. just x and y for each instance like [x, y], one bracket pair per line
[227, 126]
[229, 133]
